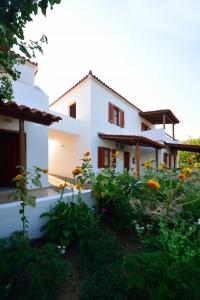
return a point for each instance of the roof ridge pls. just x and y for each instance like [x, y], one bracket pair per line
[100, 81]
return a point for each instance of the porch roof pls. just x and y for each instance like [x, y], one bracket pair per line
[131, 140]
[184, 147]
[156, 116]
[12, 109]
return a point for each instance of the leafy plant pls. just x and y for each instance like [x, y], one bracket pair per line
[28, 272]
[154, 276]
[101, 262]
[67, 221]
[22, 194]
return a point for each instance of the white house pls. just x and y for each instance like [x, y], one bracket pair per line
[24, 127]
[98, 119]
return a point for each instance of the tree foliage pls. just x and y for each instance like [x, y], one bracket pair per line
[190, 158]
[14, 15]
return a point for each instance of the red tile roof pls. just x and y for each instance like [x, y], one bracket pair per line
[156, 116]
[184, 147]
[12, 109]
[101, 82]
[131, 140]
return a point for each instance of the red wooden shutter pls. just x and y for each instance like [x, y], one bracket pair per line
[122, 118]
[100, 157]
[110, 113]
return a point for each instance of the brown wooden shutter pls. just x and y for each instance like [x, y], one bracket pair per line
[170, 161]
[110, 113]
[100, 157]
[113, 159]
[143, 126]
[122, 118]
[165, 155]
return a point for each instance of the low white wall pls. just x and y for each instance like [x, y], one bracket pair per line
[67, 124]
[10, 219]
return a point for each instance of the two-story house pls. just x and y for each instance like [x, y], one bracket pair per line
[98, 119]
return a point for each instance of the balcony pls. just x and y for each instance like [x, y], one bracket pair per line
[159, 135]
[66, 125]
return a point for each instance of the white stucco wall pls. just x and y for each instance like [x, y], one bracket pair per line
[10, 219]
[26, 93]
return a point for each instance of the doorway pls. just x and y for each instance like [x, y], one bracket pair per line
[126, 160]
[9, 157]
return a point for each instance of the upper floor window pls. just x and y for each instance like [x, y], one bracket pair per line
[72, 110]
[115, 115]
[145, 127]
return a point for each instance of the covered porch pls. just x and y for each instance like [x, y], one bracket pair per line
[13, 136]
[139, 142]
[161, 117]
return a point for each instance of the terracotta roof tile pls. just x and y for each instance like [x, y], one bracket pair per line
[14, 110]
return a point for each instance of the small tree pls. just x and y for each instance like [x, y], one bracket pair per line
[14, 15]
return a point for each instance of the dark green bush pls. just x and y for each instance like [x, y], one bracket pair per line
[30, 273]
[154, 276]
[101, 262]
[67, 221]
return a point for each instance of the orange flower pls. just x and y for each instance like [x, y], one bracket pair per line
[19, 177]
[181, 176]
[153, 184]
[77, 171]
[78, 186]
[87, 153]
[61, 186]
[45, 171]
[86, 159]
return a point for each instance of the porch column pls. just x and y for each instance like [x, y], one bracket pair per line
[164, 120]
[156, 159]
[137, 156]
[173, 133]
[22, 145]
[175, 159]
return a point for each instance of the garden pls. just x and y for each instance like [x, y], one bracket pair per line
[140, 240]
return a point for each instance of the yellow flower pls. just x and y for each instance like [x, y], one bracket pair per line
[116, 154]
[61, 186]
[102, 195]
[87, 153]
[77, 171]
[153, 184]
[86, 159]
[45, 171]
[181, 176]
[19, 177]
[78, 186]
[188, 172]
[147, 164]
[163, 166]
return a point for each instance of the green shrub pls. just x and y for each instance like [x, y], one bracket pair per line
[66, 221]
[154, 276]
[101, 262]
[30, 273]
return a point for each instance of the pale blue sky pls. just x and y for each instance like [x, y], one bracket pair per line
[148, 50]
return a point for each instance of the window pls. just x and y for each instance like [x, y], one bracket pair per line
[72, 110]
[103, 157]
[115, 115]
[145, 127]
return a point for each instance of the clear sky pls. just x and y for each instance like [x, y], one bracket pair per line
[147, 50]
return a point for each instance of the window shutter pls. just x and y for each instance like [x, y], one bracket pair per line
[170, 161]
[113, 159]
[122, 118]
[100, 157]
[110, 113]
[143, 127]
[165, 155]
